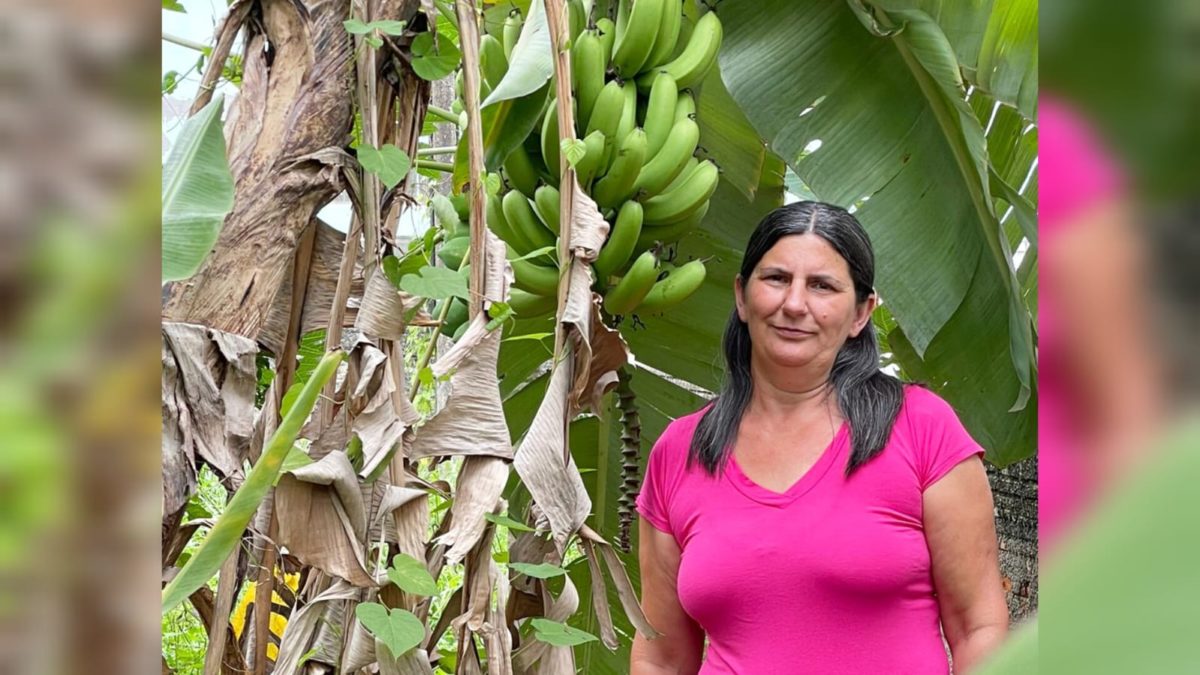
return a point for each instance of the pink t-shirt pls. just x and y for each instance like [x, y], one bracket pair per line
[832, 576]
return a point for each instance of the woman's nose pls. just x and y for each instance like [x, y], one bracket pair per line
[796, 300]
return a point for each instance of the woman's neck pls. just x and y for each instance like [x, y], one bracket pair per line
[783, 393]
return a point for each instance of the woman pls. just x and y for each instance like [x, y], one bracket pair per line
[818, 517]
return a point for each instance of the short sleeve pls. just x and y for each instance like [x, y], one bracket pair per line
[942, 440]
[653, 499]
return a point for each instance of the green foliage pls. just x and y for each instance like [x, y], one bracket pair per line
[197, 192]
[538, 571]
[411, 576]
[434, 58]
[559, 634]
[390, 163]
[507, 521]
[435, 283]
[387, 27]
[399, 629]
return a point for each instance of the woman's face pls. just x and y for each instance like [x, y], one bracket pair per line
[799, 303]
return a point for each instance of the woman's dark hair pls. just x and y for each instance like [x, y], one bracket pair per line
[869, 398]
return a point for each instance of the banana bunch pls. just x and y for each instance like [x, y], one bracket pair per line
[635, 115]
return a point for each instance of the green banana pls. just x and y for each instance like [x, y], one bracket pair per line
[586, 168]
[621, 240]
[512, 31]
[685, 106]
[687, 171]
[520, 170]
[623, 7]
[617, 185]
[608, 34]
[576, 18]
[668, 35]
[462, 207]
[636, 41]
[679, 284]
[679, 203]
[550, 142]
[633, 287]
[628, 110]
[694, 62]
[588, 63]
[447, 217]
[454, 250]
[671, 159]
[534, 278]
[660, 112]
[528, 305]
[606, 113]
[666, 234]
[546, 203]
[524, 222]
[492, 61]
[500, 225]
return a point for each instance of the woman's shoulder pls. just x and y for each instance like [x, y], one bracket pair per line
[921, 402]
[676, 438]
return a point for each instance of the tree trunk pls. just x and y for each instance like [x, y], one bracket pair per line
[1015, 490]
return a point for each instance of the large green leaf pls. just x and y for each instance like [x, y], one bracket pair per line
[226, 533]
[994, 41]
[197, 192]
[727, 137]
[531, 63]
[882, 93]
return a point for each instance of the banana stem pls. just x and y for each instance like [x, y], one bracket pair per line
[414, 383]
[442, 113]
[433, 152]
[184, 42]
[445, 167]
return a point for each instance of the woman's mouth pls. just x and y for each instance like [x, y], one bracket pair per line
[792, 332]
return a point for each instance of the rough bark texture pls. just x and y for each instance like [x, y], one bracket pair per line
[1015, 491]
[297, 104]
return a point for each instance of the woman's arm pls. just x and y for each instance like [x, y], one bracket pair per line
[961, 534]
[681, 646]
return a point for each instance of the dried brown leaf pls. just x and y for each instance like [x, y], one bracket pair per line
[549, 658]
[384, 308]
[608, 353]
[608, 634]
[322, 518]
[555, 484]
[588, 228]
[319, 293]
[208, 384]
[625, 592]
[481, 482]
[302, 625]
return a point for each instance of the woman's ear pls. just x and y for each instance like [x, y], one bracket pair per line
[738, 289]
[863, 314]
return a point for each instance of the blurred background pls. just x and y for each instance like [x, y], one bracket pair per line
[1119, 261]
[1119, 311]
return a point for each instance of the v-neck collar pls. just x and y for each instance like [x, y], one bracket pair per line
[829, 457]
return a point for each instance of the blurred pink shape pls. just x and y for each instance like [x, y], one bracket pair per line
[1076, 174]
